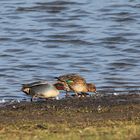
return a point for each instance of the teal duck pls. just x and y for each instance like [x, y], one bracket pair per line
[75, 83]
[41, 89]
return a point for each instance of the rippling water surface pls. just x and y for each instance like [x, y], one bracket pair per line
[41, 39]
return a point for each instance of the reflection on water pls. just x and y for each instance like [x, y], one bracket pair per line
[98, 39]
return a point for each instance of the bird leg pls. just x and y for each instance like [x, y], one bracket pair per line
[33, 97]
[84, 94]
[67, 94]
[76, 94]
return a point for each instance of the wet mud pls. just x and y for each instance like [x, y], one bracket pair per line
[73, 111]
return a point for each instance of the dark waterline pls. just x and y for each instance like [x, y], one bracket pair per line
[98, 39]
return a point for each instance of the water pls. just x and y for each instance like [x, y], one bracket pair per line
[41, 39]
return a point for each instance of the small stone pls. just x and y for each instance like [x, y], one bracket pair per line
[14, 107]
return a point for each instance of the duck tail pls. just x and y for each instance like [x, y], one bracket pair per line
[56, 78]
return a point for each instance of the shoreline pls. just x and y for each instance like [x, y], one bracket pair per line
[72, 116]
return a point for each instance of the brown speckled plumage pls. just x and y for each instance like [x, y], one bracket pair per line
[76, 83]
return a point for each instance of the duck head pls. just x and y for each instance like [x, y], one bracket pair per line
[59, 86]
[91, 87]
[25, 90]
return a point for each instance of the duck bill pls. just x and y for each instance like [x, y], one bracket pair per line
[95, 89]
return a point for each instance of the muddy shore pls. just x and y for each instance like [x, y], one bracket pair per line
[72, 113]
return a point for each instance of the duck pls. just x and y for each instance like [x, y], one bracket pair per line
[75, 83]
[41, 89]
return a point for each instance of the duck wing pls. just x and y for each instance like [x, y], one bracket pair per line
[29, 85]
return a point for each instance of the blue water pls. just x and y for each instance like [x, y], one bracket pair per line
[41, 39]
